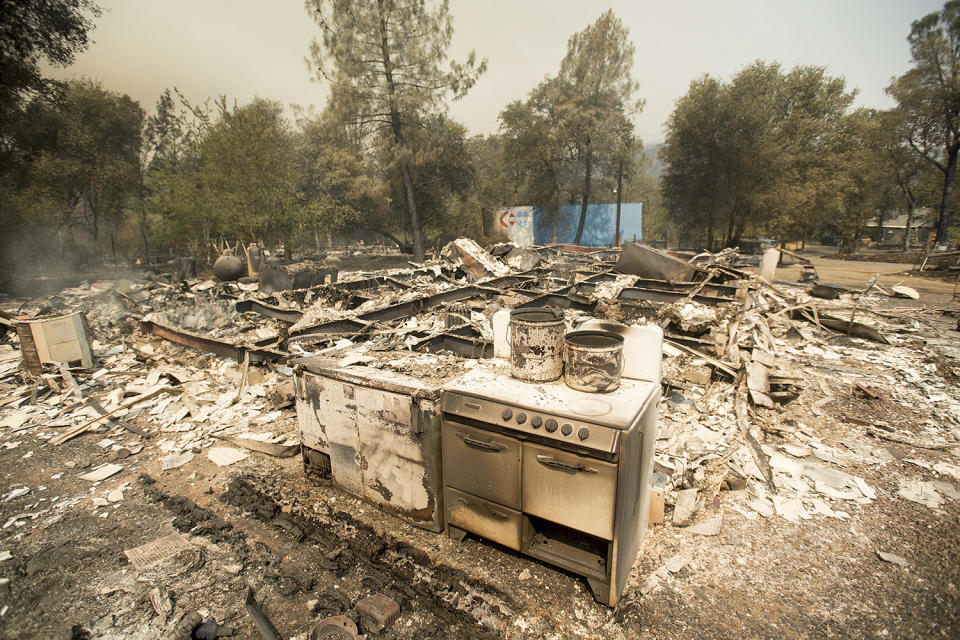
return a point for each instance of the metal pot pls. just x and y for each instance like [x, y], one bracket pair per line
[536, 344]
[593, 360]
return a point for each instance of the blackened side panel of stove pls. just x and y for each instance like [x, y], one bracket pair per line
[633, 496]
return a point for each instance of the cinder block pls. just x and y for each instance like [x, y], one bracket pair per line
[381, 610]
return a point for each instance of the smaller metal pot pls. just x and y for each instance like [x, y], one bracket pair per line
[593, 361]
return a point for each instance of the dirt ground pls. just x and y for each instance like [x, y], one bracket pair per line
[856, 274]
[310, 550]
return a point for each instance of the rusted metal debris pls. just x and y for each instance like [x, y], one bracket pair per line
[260, 619]
[647, 262]
[240, 353]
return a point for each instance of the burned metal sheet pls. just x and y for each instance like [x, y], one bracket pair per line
[647, 262]
[658, 295]
[392, 312]
[290, 316]
[280, 279]
[460, 345]
[203, 343]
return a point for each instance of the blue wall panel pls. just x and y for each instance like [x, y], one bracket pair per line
[598, 229]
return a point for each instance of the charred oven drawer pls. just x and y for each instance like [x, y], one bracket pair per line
[484, 518]
[568, 489]
[481, 463]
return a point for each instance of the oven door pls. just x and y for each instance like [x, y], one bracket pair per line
[481, 463]
[568, 489]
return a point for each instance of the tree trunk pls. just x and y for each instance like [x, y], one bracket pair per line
[398, 136]
[616, 230]
[144, 227]
[145, 232]
[586, 195]
[911, 207]
[556, 210]
[389, 235]
[710, 231]
[316, 239]
[414, 218]
[728, 241]
[945, 202]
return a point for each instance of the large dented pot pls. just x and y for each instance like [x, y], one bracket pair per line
[228, 266]
[536, 344]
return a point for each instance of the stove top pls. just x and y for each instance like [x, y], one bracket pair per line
[616, 409]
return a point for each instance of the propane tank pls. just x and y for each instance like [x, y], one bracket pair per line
[228, 266]
[253, 260]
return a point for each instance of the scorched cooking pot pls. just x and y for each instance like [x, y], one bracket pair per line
[593, 360]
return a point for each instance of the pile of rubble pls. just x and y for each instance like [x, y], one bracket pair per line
[754, 374]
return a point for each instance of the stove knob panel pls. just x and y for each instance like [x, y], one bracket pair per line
[566, 429]
[583, 433]
[551, 425]
[536, 421]
[521, 418]
[506, 414]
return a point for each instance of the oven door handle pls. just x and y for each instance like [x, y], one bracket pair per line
[480, 444]
[547, 461]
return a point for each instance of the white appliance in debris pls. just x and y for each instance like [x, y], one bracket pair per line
[58, 340]
[376, 433]
[555, 473]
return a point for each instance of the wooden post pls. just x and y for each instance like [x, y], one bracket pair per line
[616, 230]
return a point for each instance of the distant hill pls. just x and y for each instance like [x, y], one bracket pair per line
[653, 151]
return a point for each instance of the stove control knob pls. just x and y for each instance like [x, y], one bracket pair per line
[583, 433]
[507, 414]
[521, 418]
[566, 429]
[536, 421]
[551, 425]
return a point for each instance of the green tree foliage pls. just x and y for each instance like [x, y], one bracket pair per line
[535, 154]
[908, 170]
[444, 172]
[763, 152]
[78, 173]
[336, 187]
[247, 168]
[595, 97]
[863, 179]
[223, 171]
[575, 128]
[929, 98]
[383, 61]
[34, 31]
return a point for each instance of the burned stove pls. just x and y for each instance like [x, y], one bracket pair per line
[557, 474]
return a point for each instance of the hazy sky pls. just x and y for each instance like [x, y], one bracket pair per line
[247, 48]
